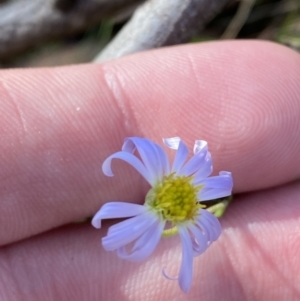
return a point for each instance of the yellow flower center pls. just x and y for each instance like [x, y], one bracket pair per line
[175, 199]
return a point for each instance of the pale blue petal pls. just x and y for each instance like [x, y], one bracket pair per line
[167, 276]
[201, 241]
[205, 170]
[116, 210]
[201, 158]
[180, 157]
[200, 146]
[127, 231]
[152, 155]
[212, 194]
[132, 222]
[186, 267]
[216, 187]
[172, 143]
[164, 160]
[145, 245]
[223, 181]
[181, 154]
[130, 159]
[209, 224]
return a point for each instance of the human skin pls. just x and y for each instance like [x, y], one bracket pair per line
[57, 126]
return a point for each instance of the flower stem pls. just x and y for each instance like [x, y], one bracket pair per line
[170, 232]
[219, 209]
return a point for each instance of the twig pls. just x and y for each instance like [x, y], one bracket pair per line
[159, 23]
[239, 19]
[26, 23]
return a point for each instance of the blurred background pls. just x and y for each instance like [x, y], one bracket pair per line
[37, 33]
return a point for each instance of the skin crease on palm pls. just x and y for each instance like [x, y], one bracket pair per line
[58, 125]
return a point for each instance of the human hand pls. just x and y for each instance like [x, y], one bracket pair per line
[58, 125]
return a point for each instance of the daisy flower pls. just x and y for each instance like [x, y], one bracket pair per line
[172, 205]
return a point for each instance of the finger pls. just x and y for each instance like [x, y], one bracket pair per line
[256, 258]
[58, 125]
